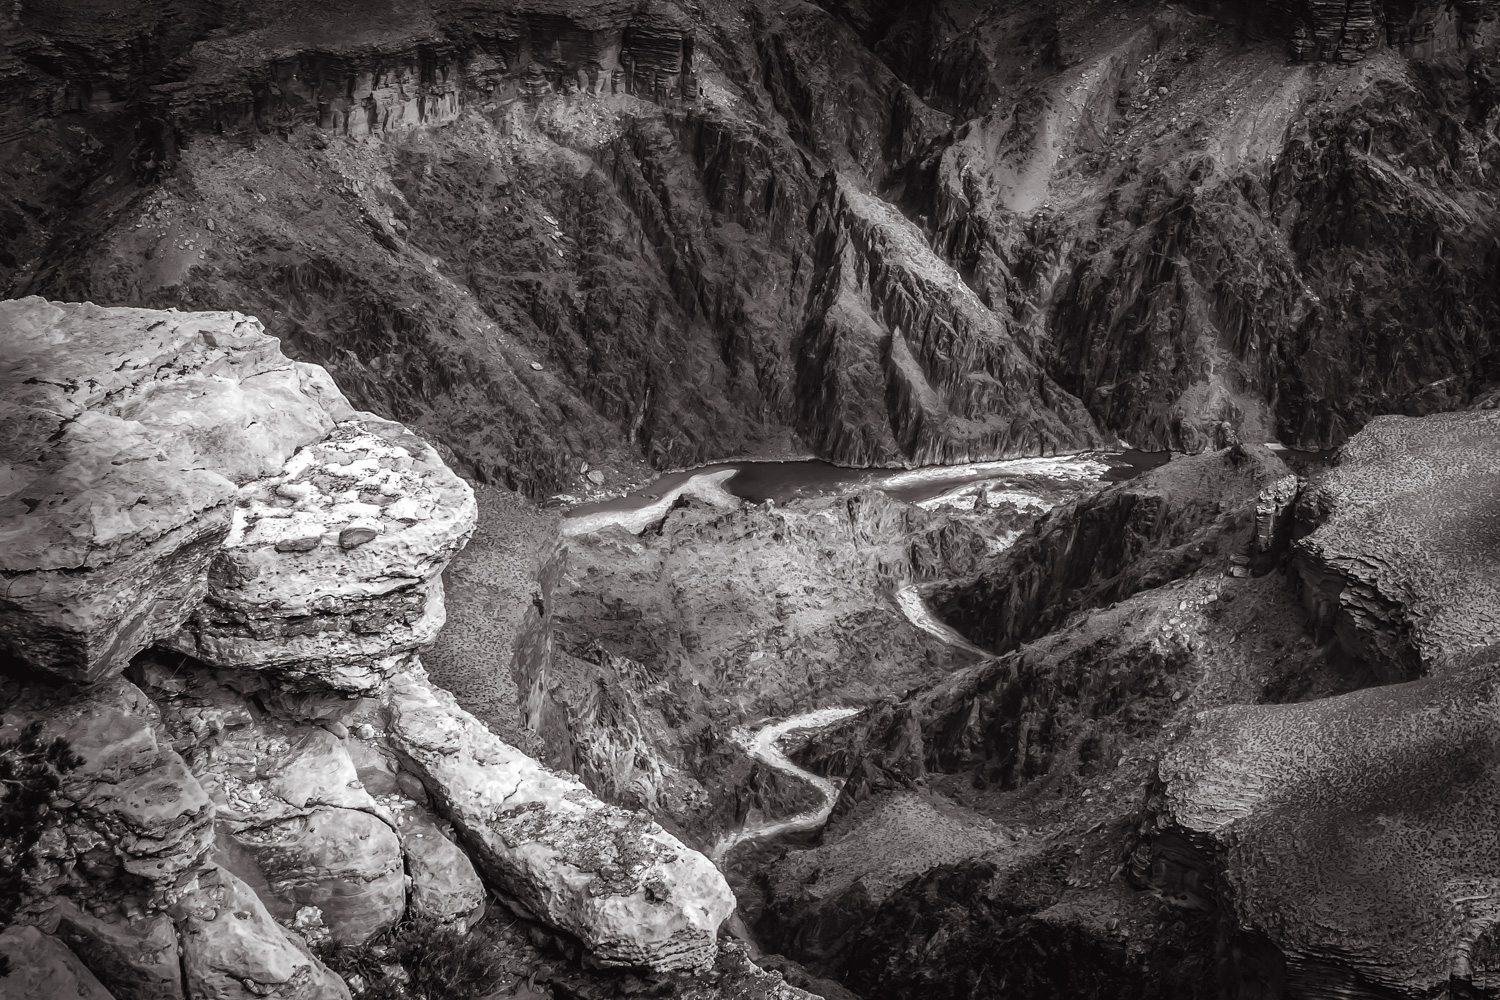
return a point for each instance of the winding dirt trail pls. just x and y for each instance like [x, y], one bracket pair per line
[762, 745]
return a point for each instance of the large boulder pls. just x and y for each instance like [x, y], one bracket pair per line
[42, 968]
[332, 567]
[630, 891]
[233, 950]
[143, 448]
[345, 863]
[131, 818]
[293, 820]
[1402, 562]
[124, 435]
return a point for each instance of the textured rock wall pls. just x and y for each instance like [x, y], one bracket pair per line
[1399, 553]
[1279, 802]
[1170, 224]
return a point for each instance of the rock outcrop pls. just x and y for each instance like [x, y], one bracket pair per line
[185, 505]
[1351, 832]
[1401, 555]
[42, 968]
[331, 570]
[232, 949]
[128, 433]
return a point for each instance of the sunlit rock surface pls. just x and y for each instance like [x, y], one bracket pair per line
[124, 435]
[233, 950]
[632, 893]
[332, 567]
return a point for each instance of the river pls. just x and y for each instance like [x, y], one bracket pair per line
[783, 482]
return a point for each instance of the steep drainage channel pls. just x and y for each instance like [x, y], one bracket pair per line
[909, 600]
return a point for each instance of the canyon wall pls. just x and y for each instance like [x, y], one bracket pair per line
[706, 226]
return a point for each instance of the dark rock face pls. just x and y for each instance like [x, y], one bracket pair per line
[890, 233]
[1105, 547]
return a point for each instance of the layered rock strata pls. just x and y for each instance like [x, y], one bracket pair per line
[127, 435]
[331, 569]
[1401, 555]
[1125, 538]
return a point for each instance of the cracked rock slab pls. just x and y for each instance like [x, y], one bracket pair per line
[124, 435]
[630, 891]
[132, 818]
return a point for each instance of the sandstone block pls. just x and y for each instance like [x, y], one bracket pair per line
[138, 957]
[133, 819]
[631, 892]
[124, 435]
[344, 862]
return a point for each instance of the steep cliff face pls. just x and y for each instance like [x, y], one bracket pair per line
[1281, 805]
[1162, 216]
